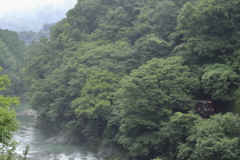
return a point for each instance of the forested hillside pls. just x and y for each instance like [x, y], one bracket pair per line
[113, 69]
[12, 54]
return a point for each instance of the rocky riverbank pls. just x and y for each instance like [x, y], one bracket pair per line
[61, 138]
[65, 137]
[112, 153]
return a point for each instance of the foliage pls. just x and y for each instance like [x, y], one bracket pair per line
[97, 95]
[8, 122]
[146, 98]
[114, 71]
[12, 53]
[38, 62]
[215, 138]
[220, 81]
[210, 29]
[94, 105]
[173, 133]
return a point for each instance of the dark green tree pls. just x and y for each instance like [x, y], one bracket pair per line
[94, 106]
[12, 58]
[220, 81]
[146, 98]
[211, 30]
[8, 122]
[214, 138]
[173, 133]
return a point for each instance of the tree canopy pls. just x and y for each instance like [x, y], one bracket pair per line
[113, 71]
[216, 138]
[146, 98]
[12, 54]
[8, 122]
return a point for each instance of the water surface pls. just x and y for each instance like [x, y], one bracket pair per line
[35, 138]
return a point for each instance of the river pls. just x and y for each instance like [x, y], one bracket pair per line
[29, 135]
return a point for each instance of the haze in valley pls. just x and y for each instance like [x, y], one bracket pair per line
[26, 15]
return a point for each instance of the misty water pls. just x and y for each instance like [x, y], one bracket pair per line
[29, 135]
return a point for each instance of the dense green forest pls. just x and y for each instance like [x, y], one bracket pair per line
[113, 70]
[12, 54]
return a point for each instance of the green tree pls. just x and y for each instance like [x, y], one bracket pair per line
[146, 98]
[8, 122]
[40, 60]
[103, 55]
[7, 59]
[214, 138]
[113, 27]
[9, 64]
[12, 54]
[15, 46]
[148, 47]
[220, 81]
[164, 18]
[52, 96]
[94, 106]
[211, 30]
[173, 133]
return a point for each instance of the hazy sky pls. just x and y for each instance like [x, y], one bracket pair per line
[10, 6]
[19, 15]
